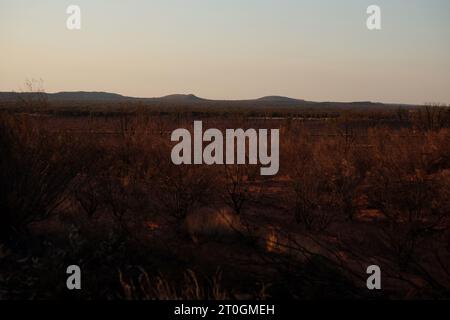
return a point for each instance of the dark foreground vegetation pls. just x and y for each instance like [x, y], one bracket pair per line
[356, 187]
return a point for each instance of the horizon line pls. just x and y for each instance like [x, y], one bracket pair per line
[224, 100]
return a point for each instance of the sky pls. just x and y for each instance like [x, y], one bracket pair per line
[317, 50]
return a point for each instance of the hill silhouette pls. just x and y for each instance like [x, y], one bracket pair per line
[185, 99]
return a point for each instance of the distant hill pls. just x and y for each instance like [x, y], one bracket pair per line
[279, 99]
[64, 96]
[86, 96]
[181, 98]
[187, 99]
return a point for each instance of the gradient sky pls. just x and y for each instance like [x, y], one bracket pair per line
[231, 49]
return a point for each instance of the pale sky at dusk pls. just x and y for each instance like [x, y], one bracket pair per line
[231, 49]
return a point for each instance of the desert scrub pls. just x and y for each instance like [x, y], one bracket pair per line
[36, 170]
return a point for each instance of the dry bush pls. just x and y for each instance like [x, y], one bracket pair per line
[324, 177]
[432, 117]
[399, 184]
[416, 206]
[308, 190]
[121, 183]
[37, 170]
[34, 97]
[88, 190]
[169, 190]
[177, 190]
[235, 187]
[88, 195]
[347, 166]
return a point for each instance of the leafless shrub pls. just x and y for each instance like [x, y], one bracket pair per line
[33, 98]
[432, 117]
[322, 185]
[236, 189]
[310, 196]
[36, 171]
[88, 196]
[176, 190]
[416, 206]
